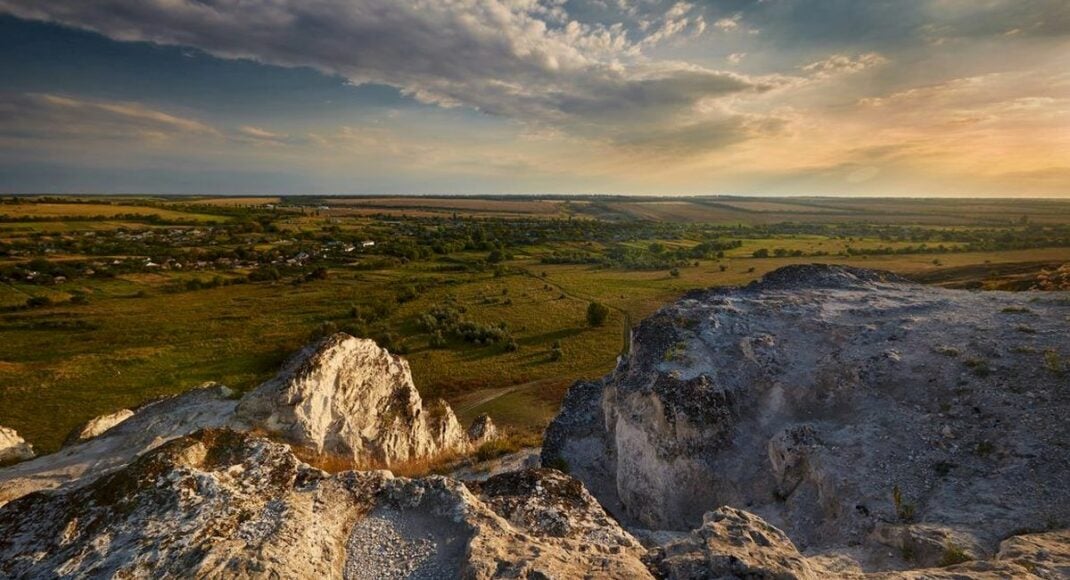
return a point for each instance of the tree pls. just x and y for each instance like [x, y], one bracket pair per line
[597, 313]
[761, 253]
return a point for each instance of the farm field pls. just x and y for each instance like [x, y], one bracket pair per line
[74, 211]
[489, 305]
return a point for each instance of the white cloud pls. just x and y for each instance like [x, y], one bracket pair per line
[728, 24]
[42, 116]
[522, 59]
[838, 64]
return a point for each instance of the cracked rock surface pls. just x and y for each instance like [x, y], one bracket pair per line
[858, 412]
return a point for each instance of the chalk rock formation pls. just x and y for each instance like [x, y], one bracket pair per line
[836, 403]
[221, 503]
[13, 447]
[342, 396]
[97, 426]
[207, 406]
[347, 396]
[482, 430]
[734, 544]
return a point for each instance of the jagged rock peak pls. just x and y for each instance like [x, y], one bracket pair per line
[13, 447]
[350, 397]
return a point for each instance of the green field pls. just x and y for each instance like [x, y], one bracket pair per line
[96, 318]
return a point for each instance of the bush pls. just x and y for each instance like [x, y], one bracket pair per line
[38, 301]
[556, 354]
[904, 510]
[597, 314]
[264, 274]
[953, 554]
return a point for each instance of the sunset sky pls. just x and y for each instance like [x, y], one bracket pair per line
[748, 97]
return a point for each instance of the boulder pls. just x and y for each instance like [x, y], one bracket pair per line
[97, 426]
[482, 430]
[734, 544]
[13, 448]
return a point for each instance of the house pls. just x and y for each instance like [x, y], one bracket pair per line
[367, 244]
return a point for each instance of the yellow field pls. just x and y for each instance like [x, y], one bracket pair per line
[83, 210]
[462, 204]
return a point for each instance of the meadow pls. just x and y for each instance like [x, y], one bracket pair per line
[165, 294]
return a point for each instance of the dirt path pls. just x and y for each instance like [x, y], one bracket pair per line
[488, 395]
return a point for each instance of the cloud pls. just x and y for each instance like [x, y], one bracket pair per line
[838, 64]
[728, 24]
[42, 116]
[526, 60]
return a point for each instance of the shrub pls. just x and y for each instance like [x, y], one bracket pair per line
[1053, 361]
[597, 313]
[38, 301]
[953, 554]
[556, 354]
[264, 273]
[904, 511]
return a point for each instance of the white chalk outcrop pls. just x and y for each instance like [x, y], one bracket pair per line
[341, 396]
[13, 447]
[858, 412]
[348, 396]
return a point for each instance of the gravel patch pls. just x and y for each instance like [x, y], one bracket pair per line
[391, 543]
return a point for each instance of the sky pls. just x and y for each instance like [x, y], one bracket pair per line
[641, 97]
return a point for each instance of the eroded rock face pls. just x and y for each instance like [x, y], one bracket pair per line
[221, 503]
[810, 396]
[347, 396]
[97, 426]
[13, 448]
